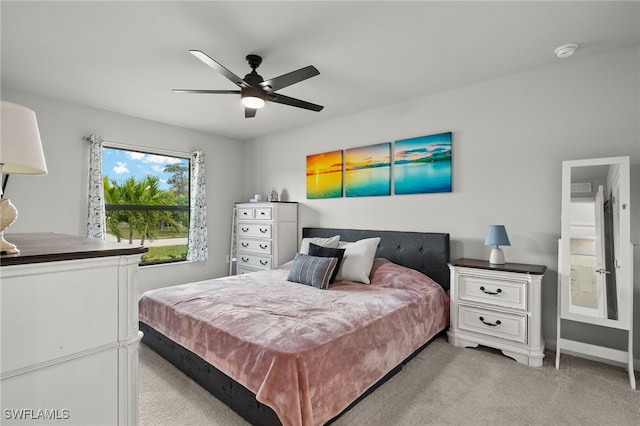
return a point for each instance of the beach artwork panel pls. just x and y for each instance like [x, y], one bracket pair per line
[368, 170]
[324, 175]
[422, 164]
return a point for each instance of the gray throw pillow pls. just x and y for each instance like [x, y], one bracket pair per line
[312, 270]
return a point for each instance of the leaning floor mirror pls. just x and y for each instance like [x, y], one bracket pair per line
[595, 267]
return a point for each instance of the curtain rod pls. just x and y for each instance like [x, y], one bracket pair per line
[122, 145]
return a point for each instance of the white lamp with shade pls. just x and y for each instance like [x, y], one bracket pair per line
[497, 236]
[20, 153]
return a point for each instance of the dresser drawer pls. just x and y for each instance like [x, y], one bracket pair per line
[263, 213]
[256, 246]
[254, 261]
[496, 292]
[254, 230]
[493, 323]
[242, 269]
[258, 213]
[245, 213]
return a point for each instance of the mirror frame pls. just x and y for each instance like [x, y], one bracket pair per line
[623, 262]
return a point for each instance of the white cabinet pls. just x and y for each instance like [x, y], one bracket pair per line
[70, 336]
[265, 235]
[497, 306]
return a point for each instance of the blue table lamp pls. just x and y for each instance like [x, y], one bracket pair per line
[497, 236]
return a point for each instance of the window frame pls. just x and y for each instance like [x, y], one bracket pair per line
[152, 207]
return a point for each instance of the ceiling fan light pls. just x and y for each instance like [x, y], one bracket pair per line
[252, 102]
[253, 97]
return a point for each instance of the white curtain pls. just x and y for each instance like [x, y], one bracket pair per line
[198, 240]
[95, 216]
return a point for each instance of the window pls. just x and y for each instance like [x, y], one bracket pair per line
[146, 199]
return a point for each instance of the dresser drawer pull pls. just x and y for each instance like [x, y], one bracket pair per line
[498, 322]
[245, 259]
[262, 213]
[264, 230]
[245, 245]
[245, 213]
[264, 262]
[245, 229]
[264, 246]
[498, 291]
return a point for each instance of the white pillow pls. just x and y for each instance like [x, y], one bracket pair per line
[324, 242]
[358, 260]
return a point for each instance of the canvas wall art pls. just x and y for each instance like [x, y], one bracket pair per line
[368, 170]
[422, 164]
[324, 175]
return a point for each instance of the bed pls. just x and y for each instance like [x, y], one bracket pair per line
[323, 349]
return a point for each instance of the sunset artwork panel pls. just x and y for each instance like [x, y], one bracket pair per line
[422, 164]
[324, 175]
[368, 170]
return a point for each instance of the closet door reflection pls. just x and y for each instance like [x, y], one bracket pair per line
[595, 241]
[593, 288]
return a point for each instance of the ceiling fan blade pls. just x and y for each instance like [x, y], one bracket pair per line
[249, 112]
[286, 100]
[222, 70]
[288, 79]
[206, 91]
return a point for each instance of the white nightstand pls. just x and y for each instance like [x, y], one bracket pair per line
[498, 306]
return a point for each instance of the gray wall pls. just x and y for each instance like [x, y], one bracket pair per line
[57, 202]
[510, 136]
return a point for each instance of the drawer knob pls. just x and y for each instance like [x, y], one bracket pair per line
[264, 262]
[263, 246]
[245, 259]
[493, 293]
[491, 324]
[245, 245]
[264, 230]
[245, 229]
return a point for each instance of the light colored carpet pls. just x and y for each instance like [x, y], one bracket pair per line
[442, 385]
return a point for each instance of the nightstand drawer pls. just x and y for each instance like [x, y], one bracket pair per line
[256, 246]
[254, 261]
[496, 292]
[499, 324]
[254, 230]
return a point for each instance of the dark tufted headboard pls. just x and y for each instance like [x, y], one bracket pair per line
[427, 252]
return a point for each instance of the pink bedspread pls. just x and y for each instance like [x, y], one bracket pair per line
[306, 353]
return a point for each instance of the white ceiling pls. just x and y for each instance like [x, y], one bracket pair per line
[127, 56]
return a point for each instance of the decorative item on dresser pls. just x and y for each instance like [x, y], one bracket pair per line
[20, 153]
[498, 306]
[69, 318]
[265, 235]
[497, 236]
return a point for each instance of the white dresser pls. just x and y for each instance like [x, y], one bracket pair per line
[498, 306]
[70, 333]
[265, 236]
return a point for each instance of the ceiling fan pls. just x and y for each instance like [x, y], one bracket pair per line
[254, 90]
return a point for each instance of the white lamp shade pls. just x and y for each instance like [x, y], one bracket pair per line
[20, 146]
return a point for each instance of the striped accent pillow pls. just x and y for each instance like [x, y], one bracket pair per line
[312, 270]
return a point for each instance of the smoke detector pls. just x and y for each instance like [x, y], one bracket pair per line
[566, 50]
